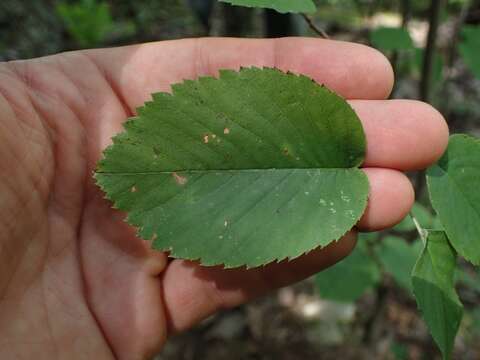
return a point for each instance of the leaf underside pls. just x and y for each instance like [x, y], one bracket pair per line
[433, 286]
[453, 186]
[283, 6]
[253, 167]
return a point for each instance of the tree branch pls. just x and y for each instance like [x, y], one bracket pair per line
[320, 32]
[405, 9]
[427, 70]
[428, 58]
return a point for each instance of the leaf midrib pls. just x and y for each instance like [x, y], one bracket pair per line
[169, 172]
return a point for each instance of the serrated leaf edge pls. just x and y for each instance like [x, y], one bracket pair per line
[222, 73]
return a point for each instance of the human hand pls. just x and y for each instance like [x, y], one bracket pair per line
[75, 282]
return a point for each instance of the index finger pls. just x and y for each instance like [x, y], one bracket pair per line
[352, 70]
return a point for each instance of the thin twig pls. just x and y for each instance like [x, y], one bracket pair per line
[314, 27]
[427, 73]
[428, 58]
[421, 231]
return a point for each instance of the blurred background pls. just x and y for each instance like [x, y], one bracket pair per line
[362, 308]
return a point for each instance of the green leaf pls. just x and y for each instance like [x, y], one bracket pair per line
[253, 167]
[350, 278]
[469, 48]
[433, 286]
[283, 6]
[87, 21]
[391, 39]
[422, 214]
[453, 184]
[398, 259]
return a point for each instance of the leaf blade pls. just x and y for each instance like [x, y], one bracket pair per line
[201, 162]
[433, 286]
[452, 184]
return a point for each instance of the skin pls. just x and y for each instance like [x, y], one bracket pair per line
[75, 282]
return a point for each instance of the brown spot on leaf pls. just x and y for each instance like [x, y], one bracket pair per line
[133, 189]
[154, 237]
[180, 180]
[226, 131]
[286, 152]
[205, 139]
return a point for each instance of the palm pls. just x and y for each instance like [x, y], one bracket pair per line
[72, 273]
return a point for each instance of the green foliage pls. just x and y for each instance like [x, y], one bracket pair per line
[433, 286]
[399, 351]
[398, 259]
[391, 39]
[453, 185]
[283, 6]
[350, 278]
[470, 48]
[87, 21]
[253, 167]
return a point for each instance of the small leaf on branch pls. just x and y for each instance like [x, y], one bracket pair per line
[434, 289]
[453, 184]
[254, 167]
